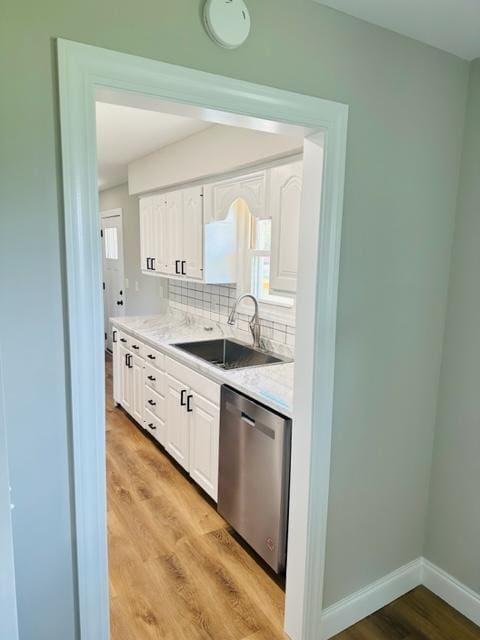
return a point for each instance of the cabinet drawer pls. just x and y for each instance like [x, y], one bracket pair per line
[154, 425]
[155, 403]
[154, 357]
[124, 338]
[155, 379]
[195, 381]
[137, 347]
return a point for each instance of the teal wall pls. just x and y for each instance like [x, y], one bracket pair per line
[453, 532]
[407, 105]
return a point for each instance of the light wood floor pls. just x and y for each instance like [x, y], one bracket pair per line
[177, 572]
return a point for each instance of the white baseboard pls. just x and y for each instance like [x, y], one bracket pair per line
[448, 588]
[361, 604]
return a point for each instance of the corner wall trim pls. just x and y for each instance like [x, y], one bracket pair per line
[361, 604]
[448, 588]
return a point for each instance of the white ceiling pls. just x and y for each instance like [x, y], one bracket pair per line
[451, 25]
[126, 133]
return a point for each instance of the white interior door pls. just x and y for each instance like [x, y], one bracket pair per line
[113, 275]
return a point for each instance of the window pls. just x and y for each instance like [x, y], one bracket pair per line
[111, 243]
[259, 256]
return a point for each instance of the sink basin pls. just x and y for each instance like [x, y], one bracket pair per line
[229, 354]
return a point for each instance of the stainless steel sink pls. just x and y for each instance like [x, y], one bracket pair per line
[230, 354]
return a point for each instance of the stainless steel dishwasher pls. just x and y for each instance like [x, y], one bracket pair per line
[254, 474]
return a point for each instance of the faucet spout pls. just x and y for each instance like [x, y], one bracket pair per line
[254, 323]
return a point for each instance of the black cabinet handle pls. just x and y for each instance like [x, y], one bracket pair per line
[120, 303]
[123, 339]
[184, 262]
[130, 366]
[177, 267]
[135, 346]
[152, 403]
[152, 426]
[114, 335]
[151, 378]
[189, 406]
[153, 264]
[126, 359]
[152, 357]
[148, 264]
[182, 397]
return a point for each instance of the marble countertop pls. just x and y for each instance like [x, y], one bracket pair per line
[272, 385]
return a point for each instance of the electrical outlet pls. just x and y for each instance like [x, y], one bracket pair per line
[137, 286]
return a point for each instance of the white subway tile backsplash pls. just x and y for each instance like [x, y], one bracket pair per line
[214, 302]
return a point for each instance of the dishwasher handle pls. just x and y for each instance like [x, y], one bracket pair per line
[247, 419]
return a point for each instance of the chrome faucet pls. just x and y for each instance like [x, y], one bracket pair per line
[254, 322]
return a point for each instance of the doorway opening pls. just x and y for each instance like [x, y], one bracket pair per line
[193, 241]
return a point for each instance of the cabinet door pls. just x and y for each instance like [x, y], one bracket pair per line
[146, 233]
[159, 234]
[204, 438]
[177, 437]
[137, 388]
[117, 367]
[284, 204]
[174, 232]
[193, 232]
[219, 196]
[125, 379]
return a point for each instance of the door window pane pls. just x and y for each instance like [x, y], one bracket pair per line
[111, 243]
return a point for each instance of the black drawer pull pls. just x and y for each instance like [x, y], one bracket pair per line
[151, 425]
[123, 339]
[177, 267]
[184, 273]
[182, 397]
[151, 356]
[151, 378]
[189, 406]
[152, 403]
[114, 336]
[135, 346]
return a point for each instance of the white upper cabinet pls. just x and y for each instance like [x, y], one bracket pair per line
[285, 195]
[191, 233]
[147, 234]
[173, 231]
[159, 239]
[175, 242]
[193, 239]
[219, 196]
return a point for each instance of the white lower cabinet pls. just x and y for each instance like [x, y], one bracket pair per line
[177, 432]
[137, 385]
[176, 405]
[204, 438]
[116, 367]
[193, 421]
[125, 385]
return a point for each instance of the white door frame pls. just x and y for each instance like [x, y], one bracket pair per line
[105, 215]
[8, 596]
[84, 70]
